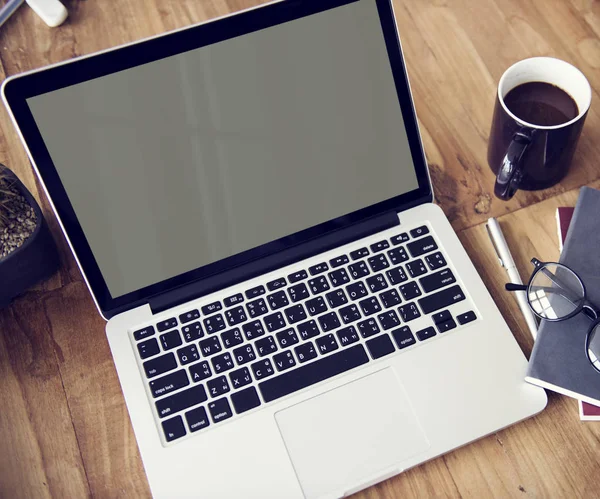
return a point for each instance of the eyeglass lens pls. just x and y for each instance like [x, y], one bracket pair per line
[555, 291]
[594, 347]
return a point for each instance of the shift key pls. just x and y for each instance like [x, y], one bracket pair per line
[441, 299]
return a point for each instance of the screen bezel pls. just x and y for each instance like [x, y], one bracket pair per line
[18, 89]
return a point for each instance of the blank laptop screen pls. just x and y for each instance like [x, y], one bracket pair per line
[181, 162]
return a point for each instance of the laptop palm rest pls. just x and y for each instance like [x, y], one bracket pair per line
[327, 452]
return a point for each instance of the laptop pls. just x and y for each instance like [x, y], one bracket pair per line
[248, 201]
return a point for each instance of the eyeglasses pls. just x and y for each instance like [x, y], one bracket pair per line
[556, 293]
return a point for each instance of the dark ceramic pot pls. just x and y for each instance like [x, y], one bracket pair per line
[34, 260]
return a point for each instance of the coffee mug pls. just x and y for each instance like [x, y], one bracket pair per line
[540, 108]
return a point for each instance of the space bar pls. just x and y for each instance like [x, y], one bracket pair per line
[312, 373]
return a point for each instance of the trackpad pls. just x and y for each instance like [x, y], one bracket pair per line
[353, 434]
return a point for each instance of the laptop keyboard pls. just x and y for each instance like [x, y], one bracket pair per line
[228, 357]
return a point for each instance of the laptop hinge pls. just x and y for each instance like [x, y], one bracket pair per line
[272, 262]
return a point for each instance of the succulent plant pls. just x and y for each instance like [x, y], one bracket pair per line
[7, 194]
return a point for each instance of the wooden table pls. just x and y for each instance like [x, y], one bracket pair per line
[64, 428]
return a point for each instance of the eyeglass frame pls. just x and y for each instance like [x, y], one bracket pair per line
[586, 306]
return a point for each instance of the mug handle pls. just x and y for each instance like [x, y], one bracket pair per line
[511, 171]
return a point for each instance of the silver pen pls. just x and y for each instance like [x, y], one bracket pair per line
[8, 9]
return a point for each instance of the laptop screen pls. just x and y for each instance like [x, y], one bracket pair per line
[184, 161]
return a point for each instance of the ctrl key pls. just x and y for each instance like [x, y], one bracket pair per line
[197, 419]
[173, 428]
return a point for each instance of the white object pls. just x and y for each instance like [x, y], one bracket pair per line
[506, 260]
[52, 12]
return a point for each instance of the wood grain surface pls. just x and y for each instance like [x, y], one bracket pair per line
[64, 426]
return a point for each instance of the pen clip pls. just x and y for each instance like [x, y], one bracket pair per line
[494, 245]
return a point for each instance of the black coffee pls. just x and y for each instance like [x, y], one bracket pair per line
[541, 103]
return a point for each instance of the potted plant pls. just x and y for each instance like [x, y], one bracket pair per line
[27, 251]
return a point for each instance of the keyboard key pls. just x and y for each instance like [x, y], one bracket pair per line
[435, 261]
[210, 346]
[400, 238]
[308, 330]
[466, 317]
[441, 299]
[347, 336]
[390, 298]
[359, 270]
[188, 354]
[232, 338]
[368, 328]
[170, 340]
[437, 280]
[416, 268]
[316, 306]
[276, 284]
[295, 313]
[442, 316]
[189, 316]
[356, 290]
[240, 377]
[236, 315]
[336, 298]
[442, 327]
[200, 371]
[245, 400]
[148, 348]
[181, 400]
[370, 305]
[287, 338]
[396, 275]
[169, 383]
[318, 285]
[278, 300]
[312, 373]
[359, 253]
[214, 323]
[233, 300]
[339, 277]
[274, 322]
[380, 346]
[338, 261]
[329, 321]
[140, 334]
[326, 344]
[425, 334]
[222, 362]
[419, 231]
[244, 354]
[349, 314]
[253, 330]
[217, 386]
[257, 308]
[410, 290]
[403, 337]
[211, 308]
[397, 255]
[421, 246]
[378, 262]
[389, 320]
[409, 312]
[284, 360]
[192, 331]
[380, 246]
[298, 292]
[305, 351]
[197, 418]
[376, 283]
[262, 369]
[318, 269]
[265, 346]
[220, 410]
[255, 291]
[173, 428]
[297, 276]
[167, 324]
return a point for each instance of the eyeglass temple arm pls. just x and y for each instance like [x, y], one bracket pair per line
[511, 286]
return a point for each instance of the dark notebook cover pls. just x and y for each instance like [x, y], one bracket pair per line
[558, 360]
